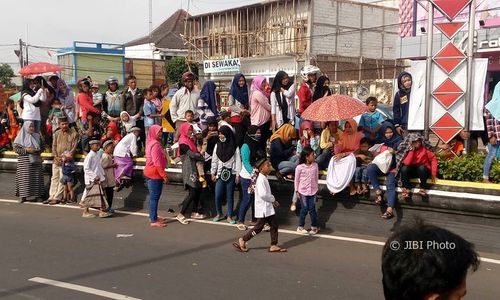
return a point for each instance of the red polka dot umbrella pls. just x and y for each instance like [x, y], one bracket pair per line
[334, 108]
[39, 68]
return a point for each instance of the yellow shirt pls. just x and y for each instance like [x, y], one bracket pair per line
[325, 142]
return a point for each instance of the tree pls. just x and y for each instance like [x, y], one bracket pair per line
[176, 66]
[6, 74]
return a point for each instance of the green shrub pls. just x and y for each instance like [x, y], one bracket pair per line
[467, 168]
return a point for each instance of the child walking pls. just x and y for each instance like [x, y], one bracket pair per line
[306, 187]
[264, 210]
[109, 165]
[93, 195]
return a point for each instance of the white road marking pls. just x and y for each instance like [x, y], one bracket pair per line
[81, 288]
[222, 223]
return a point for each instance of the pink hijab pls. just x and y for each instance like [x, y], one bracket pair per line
[152, 140]
[257, 86]
[184, 139]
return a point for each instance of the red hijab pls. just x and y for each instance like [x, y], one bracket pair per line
[114, 128]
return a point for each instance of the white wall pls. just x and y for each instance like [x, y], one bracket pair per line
[144, 51]
[336, 29]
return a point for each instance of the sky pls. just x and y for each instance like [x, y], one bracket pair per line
[57, 23]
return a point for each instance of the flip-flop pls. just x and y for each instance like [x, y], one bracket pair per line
[239, 248]
[278, 250]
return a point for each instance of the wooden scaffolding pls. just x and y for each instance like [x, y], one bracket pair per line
[272, 28]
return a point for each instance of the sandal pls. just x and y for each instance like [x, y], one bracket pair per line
[379, 196]
[277, 249]
[239, 247]
[217, 219]
[182, 220]
[241, 227]
[387, 215]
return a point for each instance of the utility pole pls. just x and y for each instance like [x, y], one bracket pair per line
[150, 18]
[21, 57]
[26, 44]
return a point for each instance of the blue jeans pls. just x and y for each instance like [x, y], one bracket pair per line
[155, 187]
[288, 166]
[225, 188]
[247, 200]
[361, 175]
[390, 182]
[492, 154]
[308, 205]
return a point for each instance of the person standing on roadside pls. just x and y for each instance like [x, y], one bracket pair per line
[65, 140]
[155, 174]
[186, 98]
[133, 103]
[32, 95]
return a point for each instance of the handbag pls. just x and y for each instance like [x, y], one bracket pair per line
[225, 174]
[35, 159]
[383, 161]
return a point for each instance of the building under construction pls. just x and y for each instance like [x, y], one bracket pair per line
[349, 41]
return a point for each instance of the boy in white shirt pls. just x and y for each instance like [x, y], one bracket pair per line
[264, 210]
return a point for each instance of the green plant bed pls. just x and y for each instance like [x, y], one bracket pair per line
[467, 168]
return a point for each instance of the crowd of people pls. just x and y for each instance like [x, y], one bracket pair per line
[219, 148]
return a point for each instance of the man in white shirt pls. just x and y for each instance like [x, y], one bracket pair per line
[186, 98]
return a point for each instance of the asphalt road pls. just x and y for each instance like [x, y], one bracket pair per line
[194, 261]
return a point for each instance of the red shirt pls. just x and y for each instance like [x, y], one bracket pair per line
[86, 104]
[422, 156]
[305, 97]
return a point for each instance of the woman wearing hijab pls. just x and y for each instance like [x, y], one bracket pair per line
[322, 88]
[191, 158]
[67, 98]
[112, 133]
[207, 104]
[154, 171]
[282, 151]
[390, 142]
[401, 102]
[33, 94]
[282, 100]
[343, 164]
[226, 168]
[250, 153]
[260, 109]
[124, 153]
[418, 162]
[29, 175]
[238, 93]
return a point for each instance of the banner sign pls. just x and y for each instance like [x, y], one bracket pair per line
[222, 65]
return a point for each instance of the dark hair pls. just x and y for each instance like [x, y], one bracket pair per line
[414, 266]
[261, 162]
[9, 102]
[131, 77]
[93, 114]
[147, 90]
[366, 140]
[371, 99]
[304, 154]
[53, 77]
[188, 112]
[155, 88]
